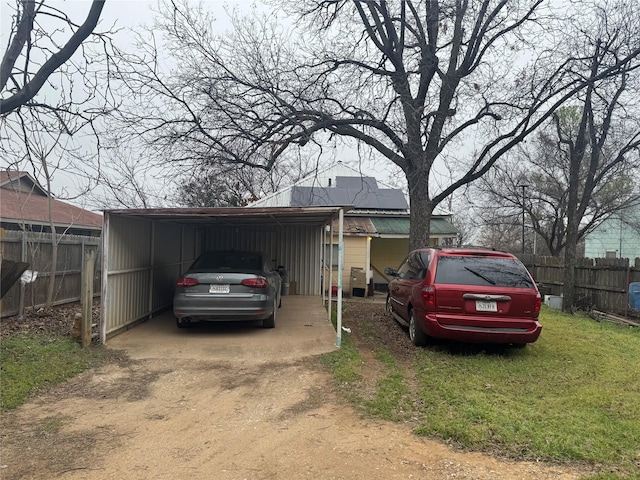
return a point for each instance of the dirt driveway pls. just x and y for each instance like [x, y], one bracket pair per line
[225, 403]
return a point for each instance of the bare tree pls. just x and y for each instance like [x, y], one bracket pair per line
[54, 84]
[236, 185]
[125, 178]
[27, 64]
[40, 162]
[419, 82]
[605, 136]
[498, 233]
[51, 92]
[534, 178]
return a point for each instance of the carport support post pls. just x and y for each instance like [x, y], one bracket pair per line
[330, 269]
[340, 266]
[87, 297]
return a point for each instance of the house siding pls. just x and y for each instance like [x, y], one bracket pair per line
[355, 255]
[613, 235]
[387, 252]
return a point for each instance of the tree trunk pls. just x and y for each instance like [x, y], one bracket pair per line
[421, 210]
[573, 224]
[54, 264]
[54, 240]
[569, 276]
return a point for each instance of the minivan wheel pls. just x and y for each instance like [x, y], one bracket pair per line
[389, 306]
[416, 335]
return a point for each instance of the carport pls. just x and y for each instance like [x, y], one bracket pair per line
[146, 250]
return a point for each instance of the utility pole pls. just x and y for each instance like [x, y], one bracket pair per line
[523, 212]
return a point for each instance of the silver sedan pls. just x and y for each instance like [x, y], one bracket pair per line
[228, 285]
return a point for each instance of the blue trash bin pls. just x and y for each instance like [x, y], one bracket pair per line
[634, 295]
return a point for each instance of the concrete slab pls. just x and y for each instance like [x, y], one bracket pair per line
[302, 329]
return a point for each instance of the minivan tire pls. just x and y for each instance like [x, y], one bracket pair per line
[417, 336]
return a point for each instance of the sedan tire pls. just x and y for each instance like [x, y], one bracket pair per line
[271, 321]
[181, 324]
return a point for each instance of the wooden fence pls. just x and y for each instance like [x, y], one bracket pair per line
[601, 283]
[36, 249]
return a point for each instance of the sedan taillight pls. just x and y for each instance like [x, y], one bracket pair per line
[429, 296]
[258, 282]
[184, 282]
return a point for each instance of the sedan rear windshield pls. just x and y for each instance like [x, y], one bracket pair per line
[482, 271]
[228, 261]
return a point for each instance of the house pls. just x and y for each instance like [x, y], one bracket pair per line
[376, 229]
[616, 237]
[25, 205]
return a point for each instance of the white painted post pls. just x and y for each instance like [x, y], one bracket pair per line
[340, 267]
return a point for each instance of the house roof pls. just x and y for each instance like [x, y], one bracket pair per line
[20, 181]
[361, 192]
[356, 226]
[377, 211]
[22, 200]
[319, 178]
[391, 227]
[438, 226]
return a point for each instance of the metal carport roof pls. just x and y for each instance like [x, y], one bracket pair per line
[233, 216]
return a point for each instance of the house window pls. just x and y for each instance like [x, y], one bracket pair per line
[327, 257]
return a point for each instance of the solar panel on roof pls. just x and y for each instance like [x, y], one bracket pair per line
[363, 198]
[360, 183]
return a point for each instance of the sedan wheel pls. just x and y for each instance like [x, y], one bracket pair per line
[416, 335]
[271, 321]
[182, 324]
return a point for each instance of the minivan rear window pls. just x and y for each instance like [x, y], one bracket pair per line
[482, 271]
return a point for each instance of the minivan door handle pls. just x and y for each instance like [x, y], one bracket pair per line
[487, 298]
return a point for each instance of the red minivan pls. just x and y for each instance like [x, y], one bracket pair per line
[465, 294]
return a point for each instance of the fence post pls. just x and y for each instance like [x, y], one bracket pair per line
[87, 297]
[22, 291]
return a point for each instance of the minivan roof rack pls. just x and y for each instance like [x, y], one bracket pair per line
[468, 247]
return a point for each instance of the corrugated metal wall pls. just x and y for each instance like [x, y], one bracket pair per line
[144, 260]
[296, 248]
[144, 257]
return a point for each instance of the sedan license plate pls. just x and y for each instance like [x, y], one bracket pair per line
[219, 288]
[484, 306]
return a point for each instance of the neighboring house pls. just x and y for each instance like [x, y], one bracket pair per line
[617, 237]
[25, 205]
[376, 230]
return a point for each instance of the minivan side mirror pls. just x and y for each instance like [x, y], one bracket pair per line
[391, 272]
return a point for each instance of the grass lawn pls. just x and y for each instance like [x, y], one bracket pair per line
[31, 363]
[573, 396]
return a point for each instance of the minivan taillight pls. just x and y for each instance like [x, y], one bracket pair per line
[259, 282]
[538, 304]
[184, 282]
[429, 296]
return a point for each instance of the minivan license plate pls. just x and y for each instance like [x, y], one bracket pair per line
[483, 306]
[219, 288]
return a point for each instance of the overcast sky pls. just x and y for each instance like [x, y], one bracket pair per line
[129, 16]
